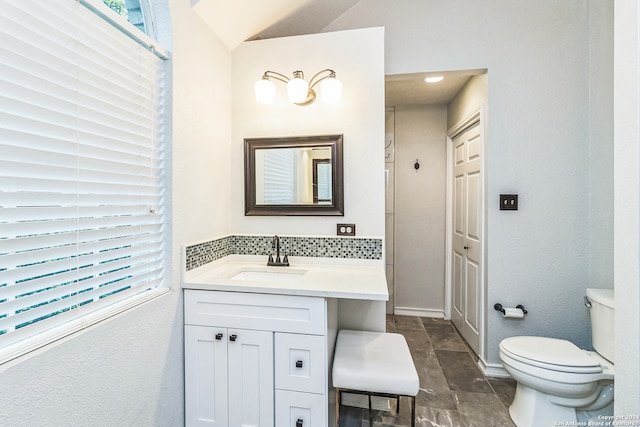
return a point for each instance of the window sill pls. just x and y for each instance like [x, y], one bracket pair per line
[27, 346]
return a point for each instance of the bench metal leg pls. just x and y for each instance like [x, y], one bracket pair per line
[370, 408]
[337, 407]
[413, 411]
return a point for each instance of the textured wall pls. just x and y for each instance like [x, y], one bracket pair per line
[539, 62]
[627, 206]
[419, 247]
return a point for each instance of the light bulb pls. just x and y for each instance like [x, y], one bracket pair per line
[297, 89]
[434, 79]
[331, 90]
[265, 91]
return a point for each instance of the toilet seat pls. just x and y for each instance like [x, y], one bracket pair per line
[550, 353]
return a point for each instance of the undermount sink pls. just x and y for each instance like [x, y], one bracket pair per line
[267, 275]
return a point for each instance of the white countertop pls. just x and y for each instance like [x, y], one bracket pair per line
[320, 277]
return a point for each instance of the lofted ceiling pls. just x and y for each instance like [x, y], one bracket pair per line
[281, 18]
[237, 21]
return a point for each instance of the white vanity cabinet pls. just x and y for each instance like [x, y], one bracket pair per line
[256, 359]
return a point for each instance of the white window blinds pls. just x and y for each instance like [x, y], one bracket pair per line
[279, 176]
[81, 167]
[324, 182]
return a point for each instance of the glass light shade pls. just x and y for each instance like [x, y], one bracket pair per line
[265, 91]
[297, 90]
[434, 79]
[331, 90]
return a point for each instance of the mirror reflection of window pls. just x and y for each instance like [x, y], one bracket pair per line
[293, 176]
[322, 181]
[279, 176]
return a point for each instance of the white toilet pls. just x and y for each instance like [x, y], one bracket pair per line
[559, 382]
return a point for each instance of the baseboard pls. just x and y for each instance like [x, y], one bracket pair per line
[493, 370]
[418, 312]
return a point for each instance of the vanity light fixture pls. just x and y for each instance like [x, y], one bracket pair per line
[299, 91]
[434, 79]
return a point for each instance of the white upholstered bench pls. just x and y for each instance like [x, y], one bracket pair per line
[375, 364]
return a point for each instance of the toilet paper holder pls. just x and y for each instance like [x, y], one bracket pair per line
[498, 307]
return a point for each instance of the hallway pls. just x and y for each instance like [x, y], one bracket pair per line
[453, 390]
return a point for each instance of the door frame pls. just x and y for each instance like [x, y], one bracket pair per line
[477, 114]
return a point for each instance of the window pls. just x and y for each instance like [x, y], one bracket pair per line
[322, 181]
[132, 11]
[82, 224]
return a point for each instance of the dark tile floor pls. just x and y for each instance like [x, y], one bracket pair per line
[453, 390]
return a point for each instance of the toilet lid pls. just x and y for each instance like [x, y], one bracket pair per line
[555, 352]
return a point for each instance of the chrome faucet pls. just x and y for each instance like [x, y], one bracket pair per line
[275, 244]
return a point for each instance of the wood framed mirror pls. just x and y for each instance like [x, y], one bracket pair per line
[300, 175]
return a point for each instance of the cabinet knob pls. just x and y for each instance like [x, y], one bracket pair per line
[298, 363]
[299, 423]
[218, 336]
[233, 337]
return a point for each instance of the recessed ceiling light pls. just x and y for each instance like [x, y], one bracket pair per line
[433, 79]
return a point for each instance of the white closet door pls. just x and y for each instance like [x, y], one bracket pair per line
[467, 263]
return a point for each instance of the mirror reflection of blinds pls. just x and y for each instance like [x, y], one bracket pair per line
[279, 176]
[324, 183]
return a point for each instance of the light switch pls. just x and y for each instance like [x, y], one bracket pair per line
[508, 202]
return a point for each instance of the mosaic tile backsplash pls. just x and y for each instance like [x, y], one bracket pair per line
[324, 247]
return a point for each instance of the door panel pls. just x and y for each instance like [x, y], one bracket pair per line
[250, 378]
[205, 377]
[474, 194]
[474, 147]
[459, 206]
[472, 291]
[458, 293]
[467, 235]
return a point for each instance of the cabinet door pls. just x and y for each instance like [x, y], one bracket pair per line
[251, 388]
[205, 376]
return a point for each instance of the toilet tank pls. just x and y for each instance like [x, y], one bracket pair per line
[601, 313]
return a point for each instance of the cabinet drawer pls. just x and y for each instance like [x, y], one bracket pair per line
[265, 312]
[300, 363]
[295, 409]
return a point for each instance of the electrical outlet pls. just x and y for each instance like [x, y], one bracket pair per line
[346, 230]
[508, 202]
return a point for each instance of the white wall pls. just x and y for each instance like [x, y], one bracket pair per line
[600, 147]
[473, 95]
[129, 370]
[124, 371]
[627, 206]
[359, 116]
[419, 235]
[202, 130]
[538, 144]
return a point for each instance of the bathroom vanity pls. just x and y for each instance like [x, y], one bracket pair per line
[259, 340]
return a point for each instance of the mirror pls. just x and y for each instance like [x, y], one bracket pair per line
[293, 176]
